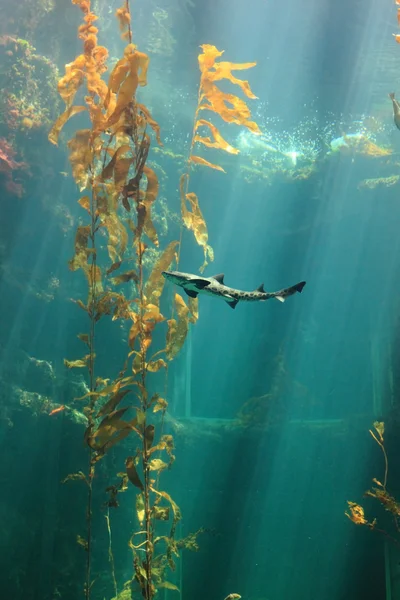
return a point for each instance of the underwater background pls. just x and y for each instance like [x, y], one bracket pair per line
[270, 405]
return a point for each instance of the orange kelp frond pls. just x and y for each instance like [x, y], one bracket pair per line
[147, 201]
[90, 66]
[207, 59]
[67, 88]
[229, 107]
[155, 282]
[60, 122]
[397, 36]
[88, 29]
[80, 157]
[218, 142]
[356, 514]
[177, 328]
[387, 501]
[212, 72]
[84, 5]
[108, 105]
[117, 233]
[151, 122]
[129, 73]
[124, 18]
[379, 427]
[72, 80]
[223, 70]
[82, 251]
[202, 161]
[194, 220]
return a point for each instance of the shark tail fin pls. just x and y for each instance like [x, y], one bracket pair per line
[298, 287]
[392, 96]
[283, 294]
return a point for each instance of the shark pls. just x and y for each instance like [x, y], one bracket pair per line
[194, 285]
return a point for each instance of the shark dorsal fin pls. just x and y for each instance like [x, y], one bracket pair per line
[219, 277]
[261, 289]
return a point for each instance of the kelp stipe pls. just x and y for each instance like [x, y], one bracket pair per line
[109, 163]
[231, 109]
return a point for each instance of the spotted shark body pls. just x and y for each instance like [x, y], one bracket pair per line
[214, 286]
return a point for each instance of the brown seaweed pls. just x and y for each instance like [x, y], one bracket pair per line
[109, 161]
[379, 492]
[132, 472]
[231, 109]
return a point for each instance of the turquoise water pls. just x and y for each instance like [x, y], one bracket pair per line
[269, 404]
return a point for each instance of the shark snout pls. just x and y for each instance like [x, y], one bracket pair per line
[175, 277]
[169, 275]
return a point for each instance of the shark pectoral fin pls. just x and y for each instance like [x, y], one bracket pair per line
[200, 283]
[231, 301]
[191, 293]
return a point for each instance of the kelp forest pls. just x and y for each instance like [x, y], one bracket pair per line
[109, 162]
[163, 162]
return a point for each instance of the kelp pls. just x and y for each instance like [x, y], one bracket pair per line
[124, 18]
[231, 109]
[379, 492]
[206, 163]
[113, 402]
[397, 36]
[218, 142]
[194, 220]
[177, 328]
[79, 363]
[155, 283]
[132, 473]
[109, 164]
[62, 119]
[80, 476]
[193, 304]
[87, 67]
